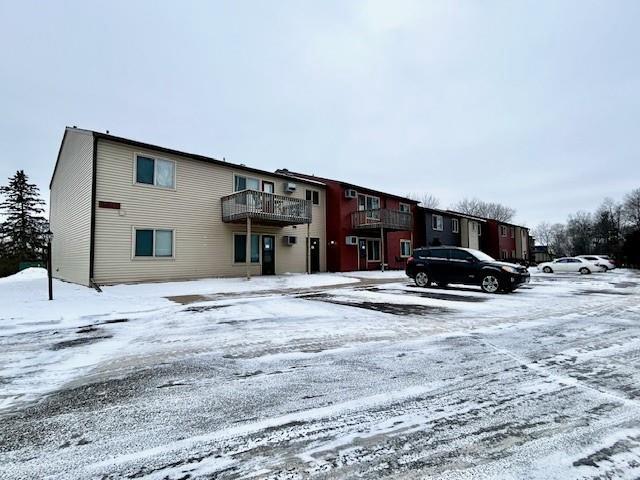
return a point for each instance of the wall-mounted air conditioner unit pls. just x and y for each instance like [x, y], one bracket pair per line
[289, 187]
[350, 193]
[352, 240]
[290, 240]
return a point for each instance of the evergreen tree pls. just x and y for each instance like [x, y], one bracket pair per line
[24, 224]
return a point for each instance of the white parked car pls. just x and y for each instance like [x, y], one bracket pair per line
[601, 260]
[570, 264]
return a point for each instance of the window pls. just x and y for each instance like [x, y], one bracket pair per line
[152, 243]
[513, 254]
[513, 232]
[479, 229]
[313, 196]
[405, 248]
[155, 171]
[373, 250]
[370, 204]
[436, 222]
[503, 231]
[240, 248]
[405, 208]
[455, 225]
[504, 254]
[441, 253]
[461, 256]
[245, 183]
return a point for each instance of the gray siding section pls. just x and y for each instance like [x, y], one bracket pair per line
[437, 237]
[70, 208]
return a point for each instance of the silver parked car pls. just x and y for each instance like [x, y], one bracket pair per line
[570, 265]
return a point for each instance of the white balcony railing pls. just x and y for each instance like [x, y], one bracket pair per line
[267, 208]
[382, 218]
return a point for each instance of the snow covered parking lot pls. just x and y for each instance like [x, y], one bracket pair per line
[321, 376]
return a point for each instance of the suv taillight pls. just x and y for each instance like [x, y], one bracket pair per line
[410, 260]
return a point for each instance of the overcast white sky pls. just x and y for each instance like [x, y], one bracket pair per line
[533, 104]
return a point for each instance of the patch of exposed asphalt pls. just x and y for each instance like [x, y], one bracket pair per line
[605, 454]
[77, 342]
[394, 309]
[433, 295]
[601, 292]
[624, 284]
[116, 320]
[203, 308]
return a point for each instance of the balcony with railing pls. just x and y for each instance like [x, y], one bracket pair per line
[265, 208]
[382, 218]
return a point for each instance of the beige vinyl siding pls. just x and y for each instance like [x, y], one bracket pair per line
[70, 208]
[203, 243]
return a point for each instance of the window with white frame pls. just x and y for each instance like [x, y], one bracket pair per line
[155, 171]
[479, 228]
[504, 254]
[313, 196]
[405, 248]
[153, 243]
[240, 248]
[513, 254]
[371, 204]
[437, 222]
[405, 208]
[373, 250]
[503, 231]
[241, 182]
[513, 232]
[455, 225]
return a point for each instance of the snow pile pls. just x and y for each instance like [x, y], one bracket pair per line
[31, 273]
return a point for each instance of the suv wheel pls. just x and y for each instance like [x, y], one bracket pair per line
[422, 279]
[584, 270]
[490, 284]
[547, 270]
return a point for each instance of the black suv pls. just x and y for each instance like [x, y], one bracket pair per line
[444, 265]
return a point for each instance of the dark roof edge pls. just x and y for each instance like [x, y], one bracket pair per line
[345, 184]
[193, 156]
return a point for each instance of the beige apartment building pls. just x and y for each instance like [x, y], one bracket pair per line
[127, 211]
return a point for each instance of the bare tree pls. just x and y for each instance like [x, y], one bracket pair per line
[426, 200]
[631, 208]
[479, 208]
[559, 243]
[580, 233]
[543, 233]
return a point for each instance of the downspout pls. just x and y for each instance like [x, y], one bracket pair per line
[92, 234]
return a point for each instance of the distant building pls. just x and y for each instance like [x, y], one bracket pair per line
[541, 254]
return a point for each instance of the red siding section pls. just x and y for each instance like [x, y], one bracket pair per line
[344, 258]
[496, 244]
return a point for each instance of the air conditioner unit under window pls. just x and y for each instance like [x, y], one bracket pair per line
[350, 193]
[352, 240]
[290, 240]
[289, 187]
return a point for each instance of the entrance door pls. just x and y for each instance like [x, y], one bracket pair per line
[315, 255]
[268, 187]
[362, 251]
[268, 255]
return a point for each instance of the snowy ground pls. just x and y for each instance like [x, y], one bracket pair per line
[364, 379]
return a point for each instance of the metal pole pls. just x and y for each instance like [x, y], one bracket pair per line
[382, 249]
[308, 250]
[49, 268]
[248, 249]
